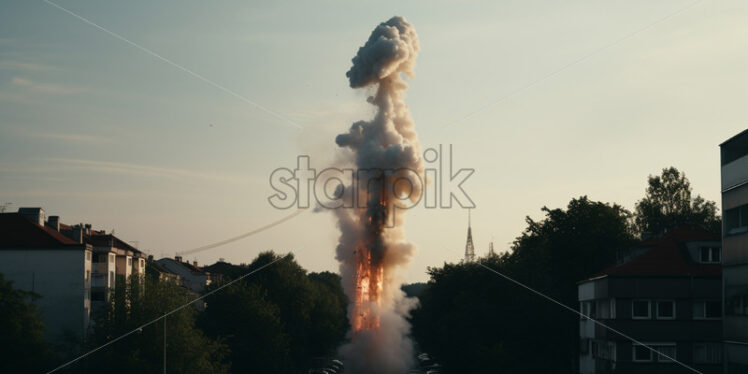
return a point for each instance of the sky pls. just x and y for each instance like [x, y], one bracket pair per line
[168, 134]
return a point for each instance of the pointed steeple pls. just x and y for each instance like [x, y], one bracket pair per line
[469, 247]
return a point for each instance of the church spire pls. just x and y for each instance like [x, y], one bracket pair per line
[469, 247]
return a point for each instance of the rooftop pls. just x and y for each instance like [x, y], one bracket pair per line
[17, 231]
[667, 255]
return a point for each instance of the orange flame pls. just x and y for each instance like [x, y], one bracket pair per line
[369, 286]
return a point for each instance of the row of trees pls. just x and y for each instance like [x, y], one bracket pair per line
[502, 326]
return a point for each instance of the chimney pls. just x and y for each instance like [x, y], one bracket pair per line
[178, 258]
[54, 221]
[194, 263]
[78, 233]
[36, 215]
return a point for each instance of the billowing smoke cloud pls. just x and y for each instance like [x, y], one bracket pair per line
[372, 247]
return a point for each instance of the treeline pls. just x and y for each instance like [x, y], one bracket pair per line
[474, 320]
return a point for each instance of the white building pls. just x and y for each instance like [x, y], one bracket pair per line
[73, 268]
[38, 259]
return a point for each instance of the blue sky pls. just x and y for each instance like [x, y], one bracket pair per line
[572, 98]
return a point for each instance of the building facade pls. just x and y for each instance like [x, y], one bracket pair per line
[667, 296]
[38, 259]
[734, 175]
[73, 268]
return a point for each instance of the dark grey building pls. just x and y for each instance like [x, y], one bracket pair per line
[666, 294]
[734, 170]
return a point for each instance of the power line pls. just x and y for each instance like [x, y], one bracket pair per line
[242, 236]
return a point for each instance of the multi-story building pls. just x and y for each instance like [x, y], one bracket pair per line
[39, 259]
[734, 170]
[667, 296]
[191, 276]
[72, 267]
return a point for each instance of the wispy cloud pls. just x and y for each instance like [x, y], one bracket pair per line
[143, 170]
[45, 88]
[24, 65]
[67, 137]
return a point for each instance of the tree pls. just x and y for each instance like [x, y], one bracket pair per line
[669, 203]
[498, 322]
[22, 345]
[277, 320]
[137, 301]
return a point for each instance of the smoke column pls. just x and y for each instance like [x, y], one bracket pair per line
[372, 246]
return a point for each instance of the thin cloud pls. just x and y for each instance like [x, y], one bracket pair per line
[68, 137]
[24, 66]
[45, 88]
[142, 170]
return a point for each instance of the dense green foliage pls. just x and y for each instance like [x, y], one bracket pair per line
[669, 203]
[22, 345]
[138, 301]
[279, 319]
[474, 320]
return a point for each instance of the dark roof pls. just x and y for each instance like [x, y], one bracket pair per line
[157, 267]
[17, 231]
[187, 265]
[735, 137]
[100, 239]
[221, 267]
[667, 256]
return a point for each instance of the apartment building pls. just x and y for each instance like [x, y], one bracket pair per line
[734, 175]
[38, 259]
[666, 295]
[72, 267]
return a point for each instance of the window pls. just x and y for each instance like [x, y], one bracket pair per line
[710, 255]
[641, 309]
[111, 258]
[665, 309]
[88, 256]
[642, 353]
[604, 350]
[707, 353]
[129, 261]
[97, 295]
[736, 305]
[585, 308]
[88, 274]
[736, 220]
[665, 352]
[584, 346]
[111, 279]
[707, 309]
